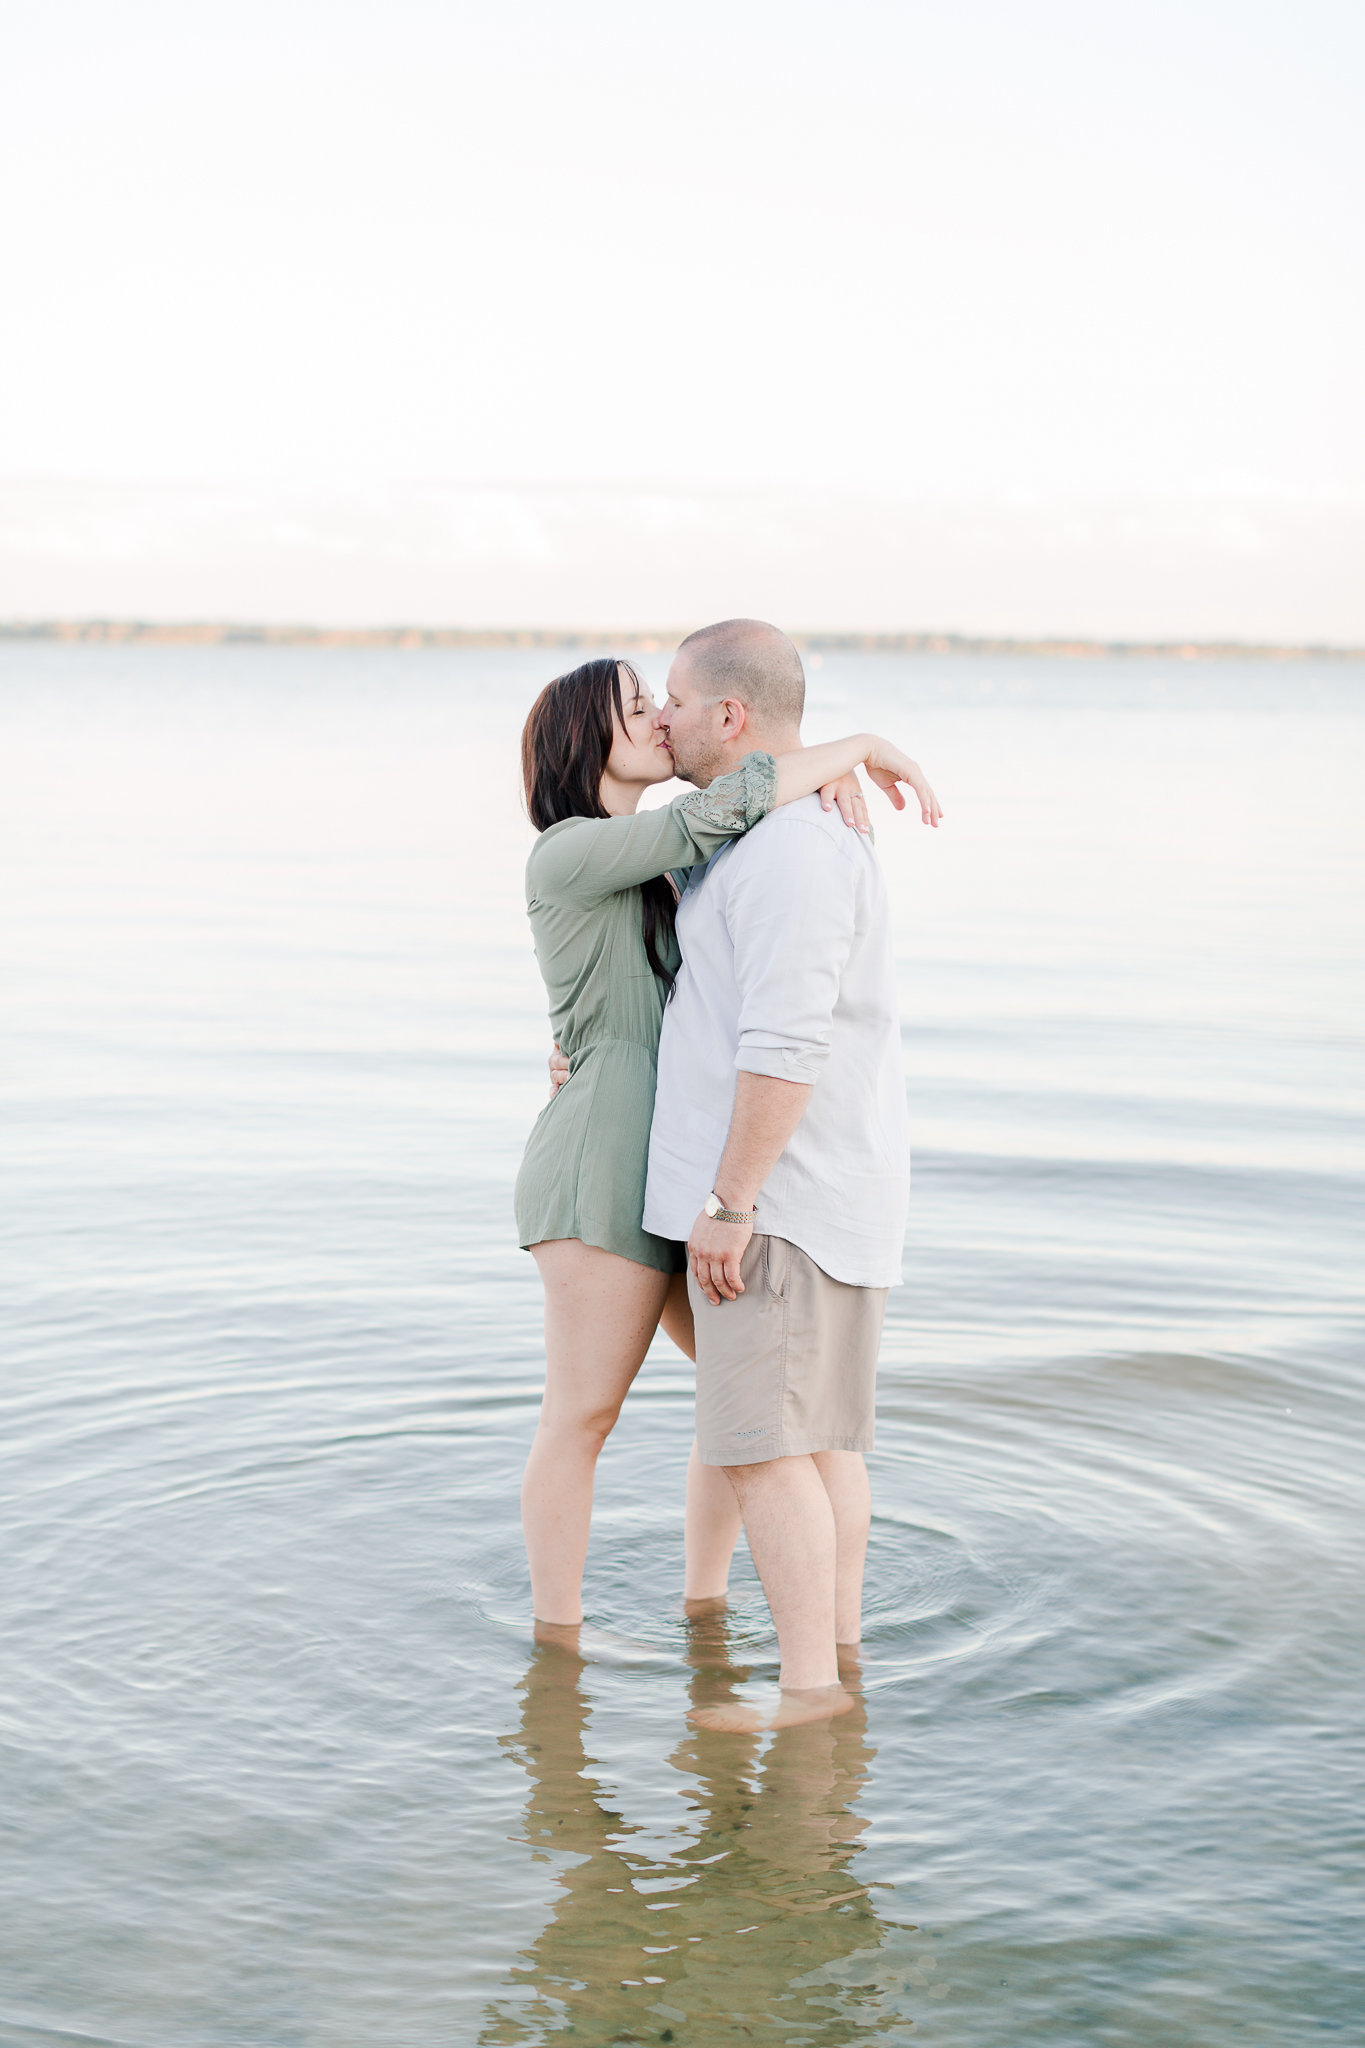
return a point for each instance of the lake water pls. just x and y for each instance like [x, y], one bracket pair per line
[278, 1763]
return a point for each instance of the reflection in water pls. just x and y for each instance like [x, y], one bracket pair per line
[733, 1937]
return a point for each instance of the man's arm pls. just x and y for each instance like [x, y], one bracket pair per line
[790, 912]
[766, 1113]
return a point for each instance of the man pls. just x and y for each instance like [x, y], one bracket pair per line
[780, 1151]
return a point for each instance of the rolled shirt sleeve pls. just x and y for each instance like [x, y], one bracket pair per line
[792, 922]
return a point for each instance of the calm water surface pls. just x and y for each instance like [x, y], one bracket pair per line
[278, 1763]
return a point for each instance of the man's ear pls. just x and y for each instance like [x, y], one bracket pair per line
[734, 718]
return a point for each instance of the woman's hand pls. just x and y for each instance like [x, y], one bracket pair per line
[831, 768]
[888, 767]
[847, 792]
[559, 1072]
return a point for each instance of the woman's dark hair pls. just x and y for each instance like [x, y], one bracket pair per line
[564, 747]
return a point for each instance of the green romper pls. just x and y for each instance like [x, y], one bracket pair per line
[583, 1171]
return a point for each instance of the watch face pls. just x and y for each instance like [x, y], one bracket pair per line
[712, 1204]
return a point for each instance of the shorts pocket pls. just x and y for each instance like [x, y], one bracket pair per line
[777, 1259]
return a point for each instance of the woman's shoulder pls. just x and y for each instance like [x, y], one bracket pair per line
[562, 857]
[549, 842]
[561, 827]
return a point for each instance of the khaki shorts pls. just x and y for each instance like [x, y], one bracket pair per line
[790, 1365]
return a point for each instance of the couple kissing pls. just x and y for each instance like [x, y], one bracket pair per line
[726, 1153]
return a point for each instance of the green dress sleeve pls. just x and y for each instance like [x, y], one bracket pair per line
[584, 860]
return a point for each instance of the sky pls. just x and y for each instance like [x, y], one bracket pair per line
[1040, 317]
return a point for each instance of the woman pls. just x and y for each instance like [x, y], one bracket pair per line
[600, 900]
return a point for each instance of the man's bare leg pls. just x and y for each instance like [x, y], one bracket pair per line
[844, 1474]
[712, 1523]
[790, 1525]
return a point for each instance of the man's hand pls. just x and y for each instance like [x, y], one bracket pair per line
[714, 1251]
[559, 1072]
[766, 1113]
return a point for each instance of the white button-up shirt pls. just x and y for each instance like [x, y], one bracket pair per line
[787, 970]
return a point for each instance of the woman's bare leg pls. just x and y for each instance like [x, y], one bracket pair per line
[713, 1521]
[675, 1320]
[600, 1313]
[710, 1532]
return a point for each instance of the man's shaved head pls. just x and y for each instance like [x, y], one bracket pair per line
[752, 662]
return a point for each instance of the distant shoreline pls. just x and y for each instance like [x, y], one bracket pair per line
[210, 633]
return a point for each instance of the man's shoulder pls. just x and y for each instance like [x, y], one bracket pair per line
[788, 821]
[804, 828]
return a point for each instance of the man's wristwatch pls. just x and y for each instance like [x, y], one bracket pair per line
[718, 1213]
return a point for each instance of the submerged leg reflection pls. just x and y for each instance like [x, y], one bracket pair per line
[729, 1938]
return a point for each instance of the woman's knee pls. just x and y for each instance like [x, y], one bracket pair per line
[587, 1427]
